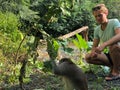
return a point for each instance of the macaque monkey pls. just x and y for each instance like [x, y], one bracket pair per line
[72, 75]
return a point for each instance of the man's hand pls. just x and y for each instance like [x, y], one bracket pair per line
[93, 54]
[100, 48]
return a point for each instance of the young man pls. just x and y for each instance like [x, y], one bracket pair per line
[106, 34]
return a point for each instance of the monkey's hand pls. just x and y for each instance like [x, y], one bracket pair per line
[55, 67]
[53, 63]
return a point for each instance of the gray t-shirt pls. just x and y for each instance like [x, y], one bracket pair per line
[109, 31]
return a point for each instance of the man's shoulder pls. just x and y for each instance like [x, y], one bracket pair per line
[113, 20]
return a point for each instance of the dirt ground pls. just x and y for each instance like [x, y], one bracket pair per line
[44, 81]
[41, 81]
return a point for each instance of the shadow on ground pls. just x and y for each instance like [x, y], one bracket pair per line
[53, 82]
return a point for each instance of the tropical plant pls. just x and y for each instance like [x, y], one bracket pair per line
[82, 45]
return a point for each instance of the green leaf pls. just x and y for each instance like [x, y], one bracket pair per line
[80, 42]
[76, 43]
[52, 48]
[56, 45]
[30, 15]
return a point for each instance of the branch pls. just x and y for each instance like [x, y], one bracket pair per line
[85, 28]
[16, 56]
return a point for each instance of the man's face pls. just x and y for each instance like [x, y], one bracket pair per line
[100, 17]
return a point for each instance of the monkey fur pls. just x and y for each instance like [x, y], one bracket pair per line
[72, 75]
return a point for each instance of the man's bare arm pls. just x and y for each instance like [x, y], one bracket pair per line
[95, 43]
[113, 40]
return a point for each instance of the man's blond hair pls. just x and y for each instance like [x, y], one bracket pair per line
[101, 8]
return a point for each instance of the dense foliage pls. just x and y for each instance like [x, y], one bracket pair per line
[24, 22]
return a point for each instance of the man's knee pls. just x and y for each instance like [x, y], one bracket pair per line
[114, 48]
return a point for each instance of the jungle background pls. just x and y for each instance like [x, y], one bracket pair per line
[25, 28]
